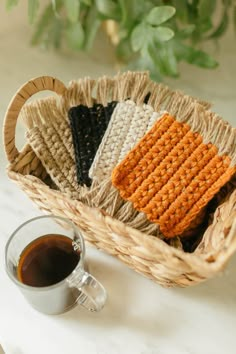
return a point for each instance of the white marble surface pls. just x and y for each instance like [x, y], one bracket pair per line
[140, 316]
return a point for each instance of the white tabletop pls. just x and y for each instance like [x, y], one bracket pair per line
[140, 317]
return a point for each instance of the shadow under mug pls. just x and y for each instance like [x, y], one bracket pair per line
[79, 287]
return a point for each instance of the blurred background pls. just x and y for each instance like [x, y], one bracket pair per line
[20, 61]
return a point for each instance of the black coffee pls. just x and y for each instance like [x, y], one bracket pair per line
[47, 260]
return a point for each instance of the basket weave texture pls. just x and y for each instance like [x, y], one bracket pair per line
[146, 254]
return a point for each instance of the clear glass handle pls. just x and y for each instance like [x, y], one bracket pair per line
[92, 294]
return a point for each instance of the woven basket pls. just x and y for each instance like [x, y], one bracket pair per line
[148, 255]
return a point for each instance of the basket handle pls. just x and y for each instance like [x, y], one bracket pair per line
[22, 95]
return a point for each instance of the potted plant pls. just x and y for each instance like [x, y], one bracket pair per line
[153, 35]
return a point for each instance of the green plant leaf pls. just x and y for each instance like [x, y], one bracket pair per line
[202, 59]
[91, 25]
[133, 12]
[181, 10]
[186, 32]
[56, 32]
[109, 9]
[43, 24]
[124, 50]
[72, 9]
[56, 6]
[194, 56]
[164, 59]
[234, 15]
[145, 62]
[87, 2]
[33, 6]
[160, 14]
[163, 34]
[227, 3]
[139, 36]
[156, 59]
[204, 26]
[171, 61]
[11, 3]
[206, 8]
[75, 35]
[221, 28]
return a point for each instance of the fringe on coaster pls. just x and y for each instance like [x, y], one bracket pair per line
[133, 85]
[208, 124]
[104, 196]
[137, 86]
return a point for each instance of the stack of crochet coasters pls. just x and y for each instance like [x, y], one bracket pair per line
[80, 140]
[177, 168]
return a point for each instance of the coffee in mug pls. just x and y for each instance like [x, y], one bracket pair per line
[47, 260]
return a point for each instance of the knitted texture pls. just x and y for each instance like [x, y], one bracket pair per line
[127, 126]
[50, 137]
[88, 125]
[48, 146]
[171, 175]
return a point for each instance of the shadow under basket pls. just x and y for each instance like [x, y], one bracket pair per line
[146, 254]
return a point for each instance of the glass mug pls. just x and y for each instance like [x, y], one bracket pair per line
[79, 287]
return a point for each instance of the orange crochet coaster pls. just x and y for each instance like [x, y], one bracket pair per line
[171, 175]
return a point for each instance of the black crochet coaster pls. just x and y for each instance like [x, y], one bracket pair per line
[88, 125]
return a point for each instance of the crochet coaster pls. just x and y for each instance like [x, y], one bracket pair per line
[49, 135]
[128, 124]
[175, 170]
[49, 148]
[88, 125]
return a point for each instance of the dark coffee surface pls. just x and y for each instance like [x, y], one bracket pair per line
[47, 260]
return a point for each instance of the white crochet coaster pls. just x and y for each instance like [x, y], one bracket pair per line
[128, 124]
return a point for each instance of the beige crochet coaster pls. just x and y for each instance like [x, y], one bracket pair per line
[47, 145]
[50, 137]
[128, 124]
